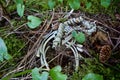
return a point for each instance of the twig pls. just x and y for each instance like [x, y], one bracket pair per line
[8, 21]
[15, 30]
[18, 69]
[110, 40]
[118, 42]
[105, 25]
[36, 43]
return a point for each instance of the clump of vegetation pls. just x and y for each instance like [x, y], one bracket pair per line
[54, 73]
[15, 47]
[94, 66]
[109, 7]
[91, 6]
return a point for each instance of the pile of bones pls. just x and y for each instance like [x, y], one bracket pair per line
[65, 30]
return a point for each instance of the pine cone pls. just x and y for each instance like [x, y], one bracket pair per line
[105, 53]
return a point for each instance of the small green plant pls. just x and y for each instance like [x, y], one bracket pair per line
[74, 4]
[3, 51]
[88, 5]
[37, 76]
[105, 3]
[51, 4]
[20, 7]
[92, 76]
[54, 73]
[79, 37]
[33, 21]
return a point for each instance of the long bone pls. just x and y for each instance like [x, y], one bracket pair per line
[42, 49]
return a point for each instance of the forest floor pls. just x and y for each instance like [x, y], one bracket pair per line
[101, 50]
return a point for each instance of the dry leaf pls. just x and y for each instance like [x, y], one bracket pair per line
[102, 37]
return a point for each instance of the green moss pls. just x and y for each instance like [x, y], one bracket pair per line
[96, 7]
[36, 5]
[16, 48]
[14, 45]
[92, 65]
[11, 8]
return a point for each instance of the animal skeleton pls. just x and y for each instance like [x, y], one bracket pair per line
[63, 36]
